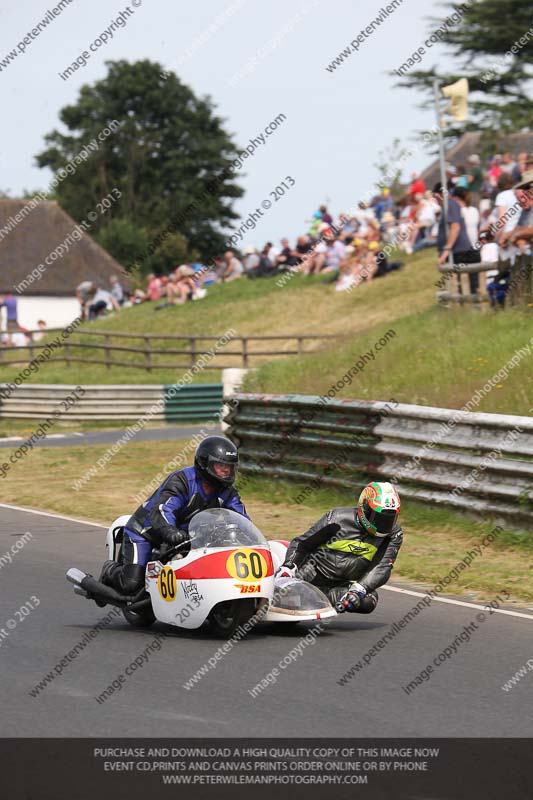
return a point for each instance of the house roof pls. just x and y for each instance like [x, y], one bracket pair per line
[30, 231]
[468, 144]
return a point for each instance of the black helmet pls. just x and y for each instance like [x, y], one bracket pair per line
[213, 452]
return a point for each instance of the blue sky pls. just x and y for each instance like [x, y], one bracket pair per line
[256, 60]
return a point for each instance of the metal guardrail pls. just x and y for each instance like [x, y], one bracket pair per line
[200, 401]
[427, 452]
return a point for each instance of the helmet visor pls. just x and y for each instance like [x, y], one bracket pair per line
[224, 471]
[383, 521]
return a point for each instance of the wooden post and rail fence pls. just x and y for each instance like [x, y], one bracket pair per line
[454, 286]
[146, 355]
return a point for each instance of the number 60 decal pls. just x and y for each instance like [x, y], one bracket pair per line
[166, 583]
[247, 565]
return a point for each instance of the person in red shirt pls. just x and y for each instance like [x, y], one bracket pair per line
[417, 185]
[155, 287]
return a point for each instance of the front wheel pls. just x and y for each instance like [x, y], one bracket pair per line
[227, 617]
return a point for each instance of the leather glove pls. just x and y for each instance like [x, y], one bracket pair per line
[287, 570]
[348, 602]
[172, 538]
[352, 599]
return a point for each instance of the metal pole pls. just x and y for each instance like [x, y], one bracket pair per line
[442, 162]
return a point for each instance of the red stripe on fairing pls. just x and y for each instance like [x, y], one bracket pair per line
[282, 541]
[213, 565]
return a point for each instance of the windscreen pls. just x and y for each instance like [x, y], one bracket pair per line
[220, 527]
[292, 596]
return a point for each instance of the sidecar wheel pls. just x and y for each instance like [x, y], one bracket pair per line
[141, 619]
[227, 617]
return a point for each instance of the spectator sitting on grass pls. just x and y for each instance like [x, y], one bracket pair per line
[287, 257]
[271, 253]
[154, 290]
[101, 302]
[116, 290]
[251, 260]
[39, 335]
[233, 268]
[327, 218]
[85, 293]
[181, 286]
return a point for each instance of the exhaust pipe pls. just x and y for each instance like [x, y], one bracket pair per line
[100, 591]
[75, 576]
[142, 605]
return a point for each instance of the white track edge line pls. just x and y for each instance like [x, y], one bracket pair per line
[57, 516]
[458, 602]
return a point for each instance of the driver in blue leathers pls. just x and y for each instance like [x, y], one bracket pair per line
[165, 516]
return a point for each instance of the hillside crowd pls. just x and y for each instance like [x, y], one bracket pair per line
[489, 219]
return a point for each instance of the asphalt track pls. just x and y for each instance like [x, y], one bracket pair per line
[462, 698]
[107, 436]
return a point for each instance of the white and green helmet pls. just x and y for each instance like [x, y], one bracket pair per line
[378, 508]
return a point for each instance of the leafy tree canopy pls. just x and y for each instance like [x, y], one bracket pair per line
[169, 157]
[499, 78]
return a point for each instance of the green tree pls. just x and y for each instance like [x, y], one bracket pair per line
[481, 42]
[125, 240]
[170, 158]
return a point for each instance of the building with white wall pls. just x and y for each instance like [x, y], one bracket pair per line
[44, 256]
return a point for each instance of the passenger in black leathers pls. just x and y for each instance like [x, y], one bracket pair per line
[350, 552]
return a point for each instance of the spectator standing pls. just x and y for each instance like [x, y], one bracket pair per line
[454, 239]
[10, 303]
[470, 215]
[506, 220]
[475, 178]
